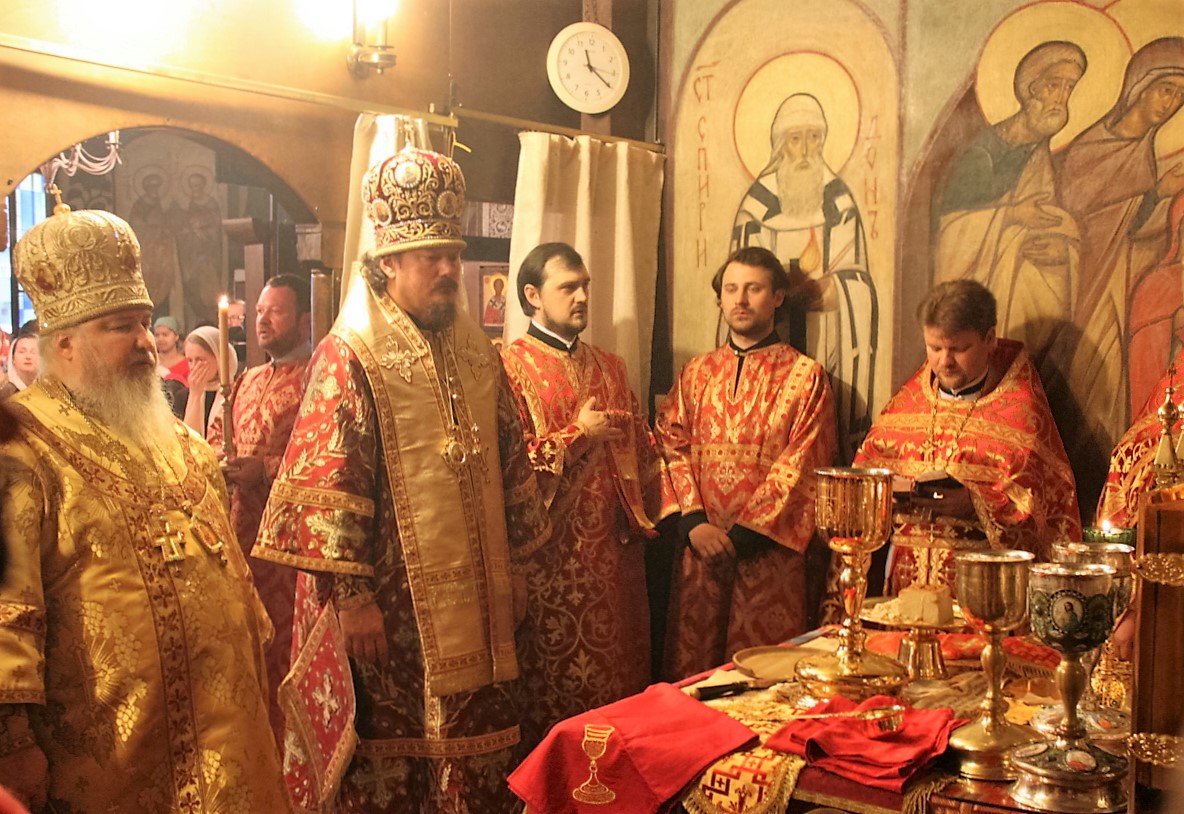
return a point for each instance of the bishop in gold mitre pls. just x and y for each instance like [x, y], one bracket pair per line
[130, 633]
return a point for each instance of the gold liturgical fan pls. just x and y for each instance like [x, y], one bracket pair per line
[854, 510]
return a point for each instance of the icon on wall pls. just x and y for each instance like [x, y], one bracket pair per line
[493, 298]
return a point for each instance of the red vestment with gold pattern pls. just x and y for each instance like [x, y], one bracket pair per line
[585, 642]
[265, 401]
[743, 449]
[406, 483]
[1002, 446]
[1131, 477]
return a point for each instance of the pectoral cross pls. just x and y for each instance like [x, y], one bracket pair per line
[171, 542]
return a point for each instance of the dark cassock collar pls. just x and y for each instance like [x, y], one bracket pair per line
[771, 339]
[552, 339]
[967, 393]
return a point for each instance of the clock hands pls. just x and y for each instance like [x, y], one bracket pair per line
[593, 69]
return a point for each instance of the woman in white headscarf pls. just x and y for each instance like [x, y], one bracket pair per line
[23, 363]
[204, 399]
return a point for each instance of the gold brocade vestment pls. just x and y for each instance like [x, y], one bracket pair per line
[143, 678]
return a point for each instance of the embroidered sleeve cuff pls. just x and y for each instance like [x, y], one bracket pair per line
[351, 592]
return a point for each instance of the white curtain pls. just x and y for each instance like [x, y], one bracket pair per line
[604, 199]
[375, 137]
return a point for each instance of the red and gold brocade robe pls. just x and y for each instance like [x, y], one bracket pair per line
[1132, 477]
[744, 452]
[378, 500]
[265, 401]
[143, 678]
[1003, 447]
[585, 642]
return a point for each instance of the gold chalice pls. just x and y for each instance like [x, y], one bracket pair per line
[992, 589]
[1072, 609]
[1102, 720]
[853, 509]
[595, 743]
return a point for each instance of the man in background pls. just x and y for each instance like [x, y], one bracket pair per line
[264, 403]
[600, 472]
[742, 431]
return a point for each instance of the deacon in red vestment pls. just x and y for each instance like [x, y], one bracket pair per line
[264, 403]
[742, 432]
[404, 497]
[971, 437]
[1132, 477]
[585, 642]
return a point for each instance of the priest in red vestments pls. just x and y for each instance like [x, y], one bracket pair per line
[406, 498]
[970, 435]
[742, 431]
[1132, 477]
[585, 642]
[264, 402]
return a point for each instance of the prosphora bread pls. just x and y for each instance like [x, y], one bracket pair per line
[927, 604]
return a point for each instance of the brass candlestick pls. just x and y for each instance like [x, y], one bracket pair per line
[993, 592]
[853, 509]
[1072, 607]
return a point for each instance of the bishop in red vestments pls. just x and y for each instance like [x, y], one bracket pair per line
[742, 432]
[407, 501]
[972, 429]
[585, 642]
[264, 403]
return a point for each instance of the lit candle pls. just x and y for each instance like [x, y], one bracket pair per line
[224, 341]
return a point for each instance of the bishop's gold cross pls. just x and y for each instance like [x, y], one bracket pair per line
[171, 542]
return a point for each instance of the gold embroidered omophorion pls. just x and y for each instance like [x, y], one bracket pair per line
[140, 665]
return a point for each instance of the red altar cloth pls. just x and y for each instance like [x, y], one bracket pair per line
[654, 743]
[859, 750]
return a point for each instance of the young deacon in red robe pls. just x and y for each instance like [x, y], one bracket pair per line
[742, 432]
[265, 401]
[974, 424]
[585, 642]
[1131, 477]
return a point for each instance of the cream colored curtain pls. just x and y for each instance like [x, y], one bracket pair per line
[375, 138]
[604, 199]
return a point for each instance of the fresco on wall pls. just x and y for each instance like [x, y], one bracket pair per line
[785, 138]
[1052, 184]
[168, 193]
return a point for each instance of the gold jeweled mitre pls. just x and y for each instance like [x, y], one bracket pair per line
[76, 266]
[415, 198]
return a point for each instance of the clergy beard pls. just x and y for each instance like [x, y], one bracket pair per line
[130, 402]
[440, 315]
[800, 185]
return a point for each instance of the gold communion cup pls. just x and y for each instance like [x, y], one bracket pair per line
[853, 509]
[992, 589]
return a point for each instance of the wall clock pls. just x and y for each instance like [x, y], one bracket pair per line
[588, 67]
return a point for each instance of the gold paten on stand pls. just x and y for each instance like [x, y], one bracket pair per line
[854, 510]
[992, 588]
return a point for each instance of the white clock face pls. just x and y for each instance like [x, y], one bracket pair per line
[588, 67]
